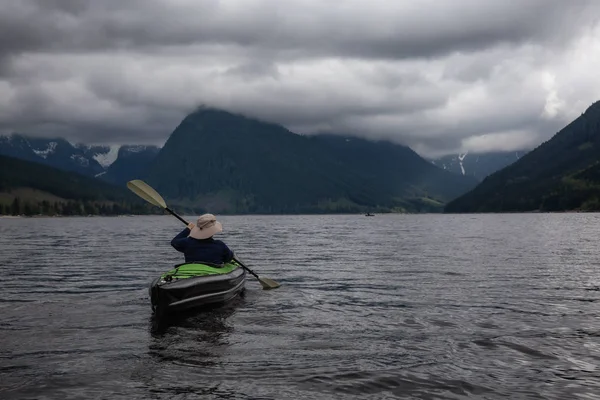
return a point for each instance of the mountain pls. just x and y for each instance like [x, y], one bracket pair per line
[130, 163]
[103, 155]
[116, 164]
[384, 162]
[561, 174]
[478, 165]
[120, 163]
[227, 163]
[55, 152]
[32, 188]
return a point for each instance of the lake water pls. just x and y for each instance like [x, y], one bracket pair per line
[393, 306]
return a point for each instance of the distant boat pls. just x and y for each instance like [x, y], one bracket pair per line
[369, 215]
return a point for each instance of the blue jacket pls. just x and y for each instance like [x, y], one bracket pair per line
[205, 250]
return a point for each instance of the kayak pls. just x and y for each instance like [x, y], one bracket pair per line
[192, 285]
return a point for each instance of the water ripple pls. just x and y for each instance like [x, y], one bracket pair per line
[415, 307]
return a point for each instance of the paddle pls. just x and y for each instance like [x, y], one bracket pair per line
[265, 282]
[147, 193]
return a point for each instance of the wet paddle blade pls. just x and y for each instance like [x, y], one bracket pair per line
[146, 192]
[268, 283]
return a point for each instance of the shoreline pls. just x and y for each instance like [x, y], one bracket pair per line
[78, 216]
[275, 215]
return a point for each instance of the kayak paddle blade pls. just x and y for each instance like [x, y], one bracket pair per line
[146, 192]
[268, 283]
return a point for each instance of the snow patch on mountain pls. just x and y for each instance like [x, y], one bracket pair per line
[106, 159]
[135, 148]
[49, 150]
[461, 157]
[84, 162]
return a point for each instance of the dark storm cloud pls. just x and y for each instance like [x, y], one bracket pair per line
[436, 75]
[379, 29]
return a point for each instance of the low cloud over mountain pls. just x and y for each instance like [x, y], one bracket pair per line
[439, 77]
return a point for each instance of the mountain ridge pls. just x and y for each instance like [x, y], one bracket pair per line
[90, 160]
[254, 166]
[266, 168]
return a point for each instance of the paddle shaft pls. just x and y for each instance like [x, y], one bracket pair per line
[246, 268]
[176, 216]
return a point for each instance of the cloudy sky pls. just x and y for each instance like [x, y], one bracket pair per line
[437, 75]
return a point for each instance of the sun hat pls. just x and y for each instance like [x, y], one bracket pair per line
[206, 226]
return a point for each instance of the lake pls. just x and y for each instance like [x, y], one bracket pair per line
[391, 306]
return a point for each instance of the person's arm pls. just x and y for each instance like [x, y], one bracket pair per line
[179, 241]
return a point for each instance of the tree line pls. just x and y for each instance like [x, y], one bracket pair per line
[75, 207]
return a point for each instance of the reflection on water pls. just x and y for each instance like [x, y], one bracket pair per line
[210, 318]
[403, 306]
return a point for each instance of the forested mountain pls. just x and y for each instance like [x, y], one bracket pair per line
[386, 164]
[227, 163]
[559, 175]
[33, 188]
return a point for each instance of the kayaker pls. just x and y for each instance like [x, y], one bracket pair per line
[197, 244]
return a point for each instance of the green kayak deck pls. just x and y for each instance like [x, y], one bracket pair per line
[195, 269]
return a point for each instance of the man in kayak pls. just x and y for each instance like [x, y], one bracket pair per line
[197, 244]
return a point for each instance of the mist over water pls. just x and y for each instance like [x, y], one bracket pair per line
[392, 306]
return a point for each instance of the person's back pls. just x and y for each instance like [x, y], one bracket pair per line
[197, 244]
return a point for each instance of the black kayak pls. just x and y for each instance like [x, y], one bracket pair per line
[195, 285]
